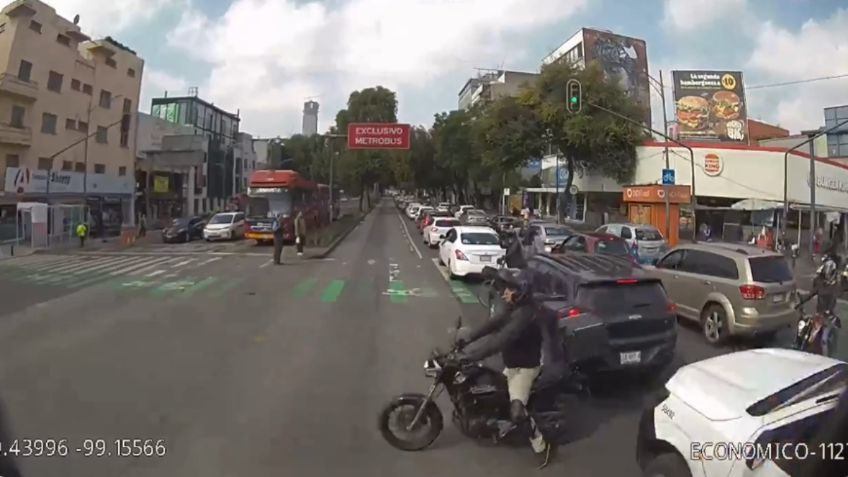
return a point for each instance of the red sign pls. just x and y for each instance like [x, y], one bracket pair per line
[378, 136]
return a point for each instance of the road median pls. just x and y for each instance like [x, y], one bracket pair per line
[328, 238]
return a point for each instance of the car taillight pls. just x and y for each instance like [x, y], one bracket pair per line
[460, 255]
[627, 281]
[572, 312]
[672, 308]
[752, 292]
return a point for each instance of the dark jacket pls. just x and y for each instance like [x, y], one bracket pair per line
[517, 335]
[515, 254]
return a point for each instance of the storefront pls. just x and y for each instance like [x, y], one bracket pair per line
[109, 198]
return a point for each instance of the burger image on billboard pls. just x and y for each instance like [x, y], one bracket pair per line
[726, 105]
[693, 112]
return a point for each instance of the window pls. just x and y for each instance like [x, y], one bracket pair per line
[25, 70]
[35, 26]
[122, 171]
[54, 82]
[127, 105]
[648, 234]
[76, 85]
[772, 269]
[625, 233]
[102, 135]
[697, 262]
[86, 88]
[105, 99]
[100, 168]
[131, 73]
[71, 124]
[45, 164]
[609, 299]
[2, 27]
[79, 167]
[67, 166]
[60, 38]
[723, 267]
[48, 123]
[671, 261]
[111, 63]
[82, 126]
[18, 113]
[13, 160]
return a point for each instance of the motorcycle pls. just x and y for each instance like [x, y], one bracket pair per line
[481, 404]
[817, 332]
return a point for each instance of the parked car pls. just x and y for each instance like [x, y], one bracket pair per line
[461, 210]
[627, 311]
[713, 414]
[443, 207]
[416, 214]
[412, 210]
[466, 250]
[439, 227]
[504, 223]
[645, 241]
[183, 230]
[595, 243]
[427, 218]
[729, 289]
[552, 234]
[474, 217]
[226, 225]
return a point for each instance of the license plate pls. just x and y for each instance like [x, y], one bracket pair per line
[632, 357]
[777, 298]
[485, 258]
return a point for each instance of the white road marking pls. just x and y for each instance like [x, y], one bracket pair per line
[409, 237]
[153, 274]
[269, 262]
[184, 262]
[394, 271]
[145, 264]
[442, 270]
[153, 265]
[371, 261]
[210, 260]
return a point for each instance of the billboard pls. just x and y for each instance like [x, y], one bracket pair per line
[624, 61]
[710, 106]
[378, 136]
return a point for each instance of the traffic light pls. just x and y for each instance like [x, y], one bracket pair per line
[575, 96]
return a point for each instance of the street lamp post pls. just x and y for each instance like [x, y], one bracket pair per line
[332, 167]
[660, 88]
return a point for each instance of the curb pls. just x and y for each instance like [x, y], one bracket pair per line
[338, 240]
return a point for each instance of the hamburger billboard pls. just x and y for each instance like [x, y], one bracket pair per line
[710, 106]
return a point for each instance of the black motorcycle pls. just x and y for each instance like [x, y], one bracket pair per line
[480, 399]
[817, 332]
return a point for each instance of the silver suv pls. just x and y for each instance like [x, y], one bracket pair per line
[729, 289]
[645, 241]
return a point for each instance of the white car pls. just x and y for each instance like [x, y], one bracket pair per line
[412, 209]
[226, 226]
[417, 214]
[750, 413]
[462, 209]
[440, 226]
[443, 207]
[466, 250]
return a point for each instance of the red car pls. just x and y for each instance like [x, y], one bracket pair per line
[596, 243]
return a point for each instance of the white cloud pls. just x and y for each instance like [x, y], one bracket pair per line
[268, 55]
[156, 83]
[102, 18]
[686, 16]
[817, 49]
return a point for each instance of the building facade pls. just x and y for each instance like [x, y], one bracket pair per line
[67, 103]
[245, 162]
[492, 86]
[310, 118]
[215, 178]
[758, 131]
[837, 141]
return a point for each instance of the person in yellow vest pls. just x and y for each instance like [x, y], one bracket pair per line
[82, 233]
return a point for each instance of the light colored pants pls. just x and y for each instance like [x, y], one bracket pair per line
[519, 382]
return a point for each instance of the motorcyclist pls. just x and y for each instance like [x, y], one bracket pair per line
[826, 282]
[518, 336]
[514, 255]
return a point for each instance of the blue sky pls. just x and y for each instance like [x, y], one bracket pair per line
[264, 57]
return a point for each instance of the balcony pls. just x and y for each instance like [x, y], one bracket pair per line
[15, 136]
[11, 84]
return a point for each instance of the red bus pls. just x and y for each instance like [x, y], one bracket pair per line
[284, 194]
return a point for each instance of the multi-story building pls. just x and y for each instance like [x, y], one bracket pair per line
[67, 104]
[493, 85]
[837, 141]
[245, 161]
[269, 153]
[759, 131]
[310, 118]
[214, 179]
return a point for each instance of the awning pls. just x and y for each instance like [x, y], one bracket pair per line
[757, 204]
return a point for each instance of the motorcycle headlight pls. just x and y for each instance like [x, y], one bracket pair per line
[431, 368]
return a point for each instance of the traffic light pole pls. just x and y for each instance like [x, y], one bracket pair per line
[693, 197]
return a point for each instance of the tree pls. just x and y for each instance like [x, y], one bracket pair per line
[362, 169]
[458, 152]
[599, 141]
[510, 132]
[308, 156]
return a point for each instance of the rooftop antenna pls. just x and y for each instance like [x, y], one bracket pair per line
[76, 19]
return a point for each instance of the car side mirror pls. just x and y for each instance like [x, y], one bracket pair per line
[442, 237]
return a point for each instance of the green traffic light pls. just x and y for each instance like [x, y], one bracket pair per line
[574, 100]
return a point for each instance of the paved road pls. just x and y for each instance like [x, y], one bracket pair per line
[250, 369]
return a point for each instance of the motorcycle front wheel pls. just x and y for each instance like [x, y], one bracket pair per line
[397, 416]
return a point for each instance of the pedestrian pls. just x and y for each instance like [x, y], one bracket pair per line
[142, 226]
[277, 228]
[300, 232]
[82, 233]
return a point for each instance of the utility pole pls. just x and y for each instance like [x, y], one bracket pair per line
[813, 217]
[667, 165]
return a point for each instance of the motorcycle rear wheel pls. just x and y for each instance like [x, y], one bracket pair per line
[429, 425]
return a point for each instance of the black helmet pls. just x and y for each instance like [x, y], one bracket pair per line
[521, 281]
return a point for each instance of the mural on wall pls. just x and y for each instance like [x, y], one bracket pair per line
[624, 61]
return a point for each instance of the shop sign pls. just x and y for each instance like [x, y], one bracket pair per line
[23, 180]
[713, 165]
[830, 183]
[655, 194]
[161, 184]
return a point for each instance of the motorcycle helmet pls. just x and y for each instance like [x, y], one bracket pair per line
[521, 281]
[828, 271]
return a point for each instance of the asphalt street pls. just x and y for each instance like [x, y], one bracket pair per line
[246, 368]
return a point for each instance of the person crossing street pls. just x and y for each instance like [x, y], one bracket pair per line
[277, 228]
[82, 233]
[300, 232]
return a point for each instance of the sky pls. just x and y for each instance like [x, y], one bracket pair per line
[264, 58]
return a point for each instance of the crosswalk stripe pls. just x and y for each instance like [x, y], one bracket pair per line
[184, 262]
[104, 266]
[154, 273]
[54, 263]
[154, 265]
[210, 260]
[143, 264]
[68, 265]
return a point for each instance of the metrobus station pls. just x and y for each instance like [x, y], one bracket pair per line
[739, 192]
